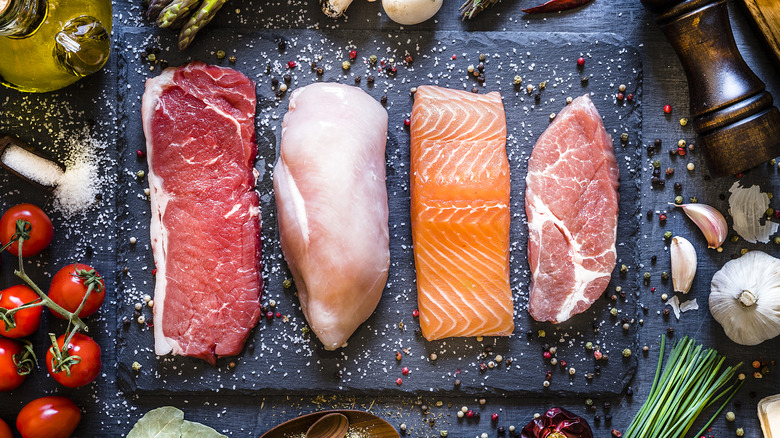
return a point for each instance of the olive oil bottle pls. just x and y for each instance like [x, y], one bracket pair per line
[46, 45]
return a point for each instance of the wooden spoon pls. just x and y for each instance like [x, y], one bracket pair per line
[333, 425]
[369, 425]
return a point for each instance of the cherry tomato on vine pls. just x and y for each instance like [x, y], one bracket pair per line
[5, 430]
[15, 364]
[69, 286]
[82, 371]
[41, 231]
[50, 417]
[27, 320]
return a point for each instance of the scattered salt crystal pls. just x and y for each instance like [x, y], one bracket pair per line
[31, 166]
[80, 183]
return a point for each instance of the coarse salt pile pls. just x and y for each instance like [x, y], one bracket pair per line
[75, 188]
[32, 166]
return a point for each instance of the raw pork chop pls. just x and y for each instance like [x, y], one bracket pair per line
[571, 201]
[332, 202]
[460, 213]
[205, 229]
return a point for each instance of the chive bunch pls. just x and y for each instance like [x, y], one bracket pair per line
[693, 380]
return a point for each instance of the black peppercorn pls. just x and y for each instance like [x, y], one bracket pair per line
[480, 67]
[649, 214]
[666, 311]
[320, 71]
[383, 99]
[630, 392]
[475, 90]
[537, 97]
[655, 180]
[457, 383]
[607, 406]
[670, 331]
[481, 79]
[370, 79]
[653, 259]
[274, 82]
[677, 187]
[501, 430]
[597, 370]
[584, 80]
[287, 78]
[357, 79]
[607, 417]
[657, 142]
[650, 150]
[529, 333]
[597, 418]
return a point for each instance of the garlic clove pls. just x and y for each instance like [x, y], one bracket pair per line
[683, 264]
[709, 220]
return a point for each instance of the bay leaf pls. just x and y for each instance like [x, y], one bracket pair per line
[191, 429]
[165, 422]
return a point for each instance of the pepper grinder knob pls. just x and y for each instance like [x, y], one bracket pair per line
[733, 114]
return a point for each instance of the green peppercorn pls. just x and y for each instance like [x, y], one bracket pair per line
[589, 346]
[740, 432]
[140, 173]
[656, 164]
[152, 57]
[482, 57]
[777, 240]
[735, 238]
[613, 311]
[730, 416]
[678, 199]
[664, 275]
[541, 333]
[220, 54]
[647, 276]
[286, 283]
[624, 137]
[517, 80]
[627, 352]
[588, 402]
[618, 289]
[346, 65]
[668, 235]
[372, 59]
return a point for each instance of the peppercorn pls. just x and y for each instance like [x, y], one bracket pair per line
[584, 80]
[740, 431]
[383, 99]
[372, 59]
[667, 109]
[287, 78]
[623, 269]
[232, 59]
[597, 418]
[619, 96]
[475, 90]
[623, 136]
[320, 71]
[616, 433]
[668, 235]
[220, 54]
[517, 80]
[670, 331]
[647, 276]
[607, 417]
[730, 416]
[664, 274]
[537, 97]
[580, 61]
[501, 430]
[627, 352]
[613, 311]
[630, 392]
[346, 65]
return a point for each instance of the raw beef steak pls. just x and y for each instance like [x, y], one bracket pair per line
[571, 201]
[205, 228]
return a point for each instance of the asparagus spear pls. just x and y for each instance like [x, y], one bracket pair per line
[198, 21]
[473, 7]
[155, 7]
[176, 14]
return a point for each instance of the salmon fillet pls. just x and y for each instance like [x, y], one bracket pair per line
[460, 213]
[571, 200]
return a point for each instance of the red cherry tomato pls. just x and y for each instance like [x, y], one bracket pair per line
[50, 417]
[12, 364]
[69, 286]
[27, 320]
[5, 431]
[41, 231]
[82, 372]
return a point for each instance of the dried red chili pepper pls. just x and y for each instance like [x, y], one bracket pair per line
[557, 423]
[555, 6]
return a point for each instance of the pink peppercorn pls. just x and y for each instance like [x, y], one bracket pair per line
[352, 54]
[620, 96]
[662, 217]
[140, 154]
[562, 363]
[269, 315]
[652, 289]
[597, 355]
[454, 57]
[667, 109]
[278, 314]
[415, 313]
[547, 355]
[777, 214]
[494, 417]
[407, 122]
[470, 414]
[408, 59]
[681, 152]
[154, 271]
[399, 381]
[630, 97]
[405, 371]
[291, 65]
[580, 61]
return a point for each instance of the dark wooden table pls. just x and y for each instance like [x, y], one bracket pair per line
[109, 412]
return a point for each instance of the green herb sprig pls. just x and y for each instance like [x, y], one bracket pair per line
[692, 381]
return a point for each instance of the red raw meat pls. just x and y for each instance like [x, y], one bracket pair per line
[205, 228]
[571, 201]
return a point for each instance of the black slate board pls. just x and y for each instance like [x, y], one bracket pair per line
[279, 357]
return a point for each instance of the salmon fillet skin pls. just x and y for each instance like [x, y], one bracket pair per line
[571, 201]
[205, 226]
[460, 213]
[331, 198]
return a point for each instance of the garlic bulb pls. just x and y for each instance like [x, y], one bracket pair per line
[709, 220]
[745, 298]
[683, 264]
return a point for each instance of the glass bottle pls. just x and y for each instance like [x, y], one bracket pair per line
[46, 45]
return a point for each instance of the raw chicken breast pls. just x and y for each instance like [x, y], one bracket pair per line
[332, 205]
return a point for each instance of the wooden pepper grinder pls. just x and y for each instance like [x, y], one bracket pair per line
[733, 115]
